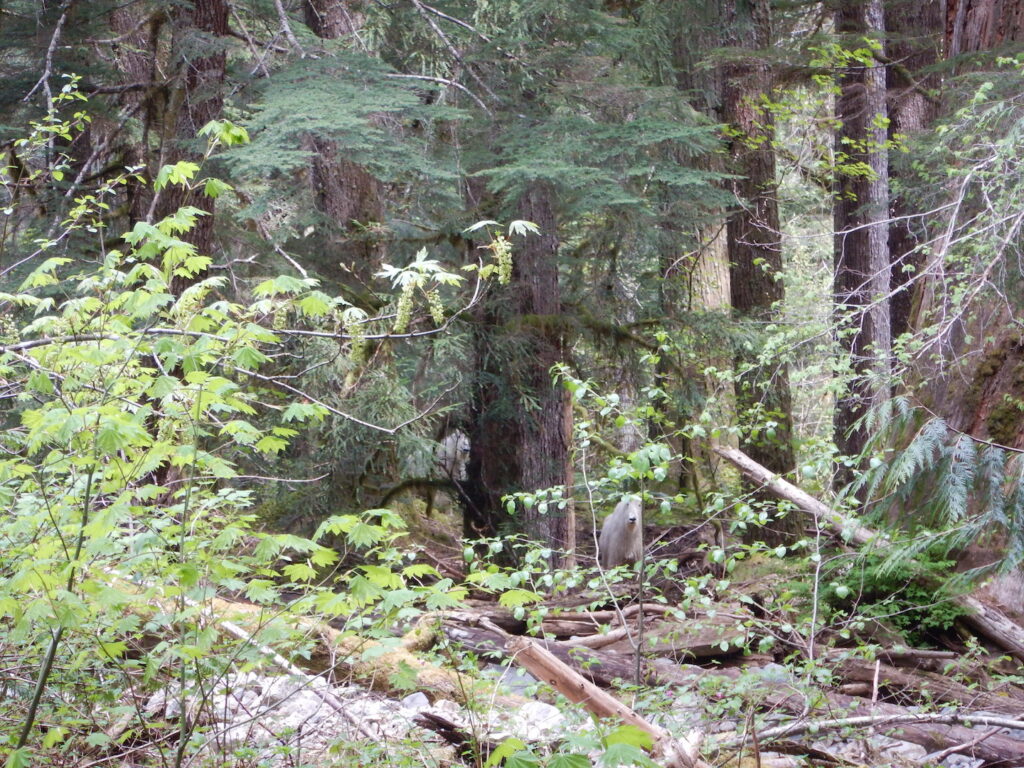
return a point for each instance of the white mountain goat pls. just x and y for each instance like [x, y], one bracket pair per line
[622, 535]
[452, 455]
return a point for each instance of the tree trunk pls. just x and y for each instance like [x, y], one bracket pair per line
[522, 426]
[135, 55]
[547, 425]
[347, 195]
[973, 26]
[331, 19]
[699, 31]
[196, 99]
[861, 249]
[755, 247]
[914, 44]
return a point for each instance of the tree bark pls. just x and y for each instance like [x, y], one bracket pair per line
[973, 26]
[135, 55]
[196, 99]
[755, 247]
[522, 421]
[861, 247]
[914, 46]
[706, 285]
[349, 198]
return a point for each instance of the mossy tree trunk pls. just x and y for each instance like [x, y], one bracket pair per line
[521, 428]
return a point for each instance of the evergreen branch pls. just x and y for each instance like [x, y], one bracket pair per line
[259, 58]
[979, 440]
[452, 83]
[453, 50]
[459, 22]
[821, 180]
[908, 78]
[276, 382]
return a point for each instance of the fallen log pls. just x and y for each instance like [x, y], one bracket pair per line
[598, 667]
[924, 685]
[986, 620]
[934, 731]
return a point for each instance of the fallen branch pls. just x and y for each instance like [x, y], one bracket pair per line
[889, 720]
[924, 684]
[544, 666]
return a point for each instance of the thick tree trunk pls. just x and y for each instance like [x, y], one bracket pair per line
[861, 250]
[914, 44]
[137, 29]
[331, 19]
[755, 247]
[347, 195]
[975, 393]
[706, 280]
[522, 425]
[982, 25]
[546, 422]
[196, 99]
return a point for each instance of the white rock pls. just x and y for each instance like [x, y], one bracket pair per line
[535, 719]
[416, 701]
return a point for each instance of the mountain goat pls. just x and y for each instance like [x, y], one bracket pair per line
[452, 455]
[622, 535]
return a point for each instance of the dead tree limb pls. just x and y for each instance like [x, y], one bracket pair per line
[544, 666]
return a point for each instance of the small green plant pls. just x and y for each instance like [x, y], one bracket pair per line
[908, 595]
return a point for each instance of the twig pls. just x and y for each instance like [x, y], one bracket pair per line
[452, 49]
[257, 56]
[446, 81]
[938, 757]
[44, 81]
[860, 721]
[329, 698]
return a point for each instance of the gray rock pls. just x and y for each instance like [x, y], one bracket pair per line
[416, 701]
[535, 720]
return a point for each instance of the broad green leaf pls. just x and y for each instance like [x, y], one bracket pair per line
[625, 754]
[570, 761]
[418, 570]
[630, 734]
[503, 751]
[518, 597]
[299, 572]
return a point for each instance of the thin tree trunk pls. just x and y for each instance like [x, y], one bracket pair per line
[861, 250]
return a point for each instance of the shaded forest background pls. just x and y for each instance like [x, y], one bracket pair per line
[789, 228]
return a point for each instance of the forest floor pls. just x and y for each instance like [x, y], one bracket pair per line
[727, 680]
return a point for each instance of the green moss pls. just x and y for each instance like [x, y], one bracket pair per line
[1004, 420]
